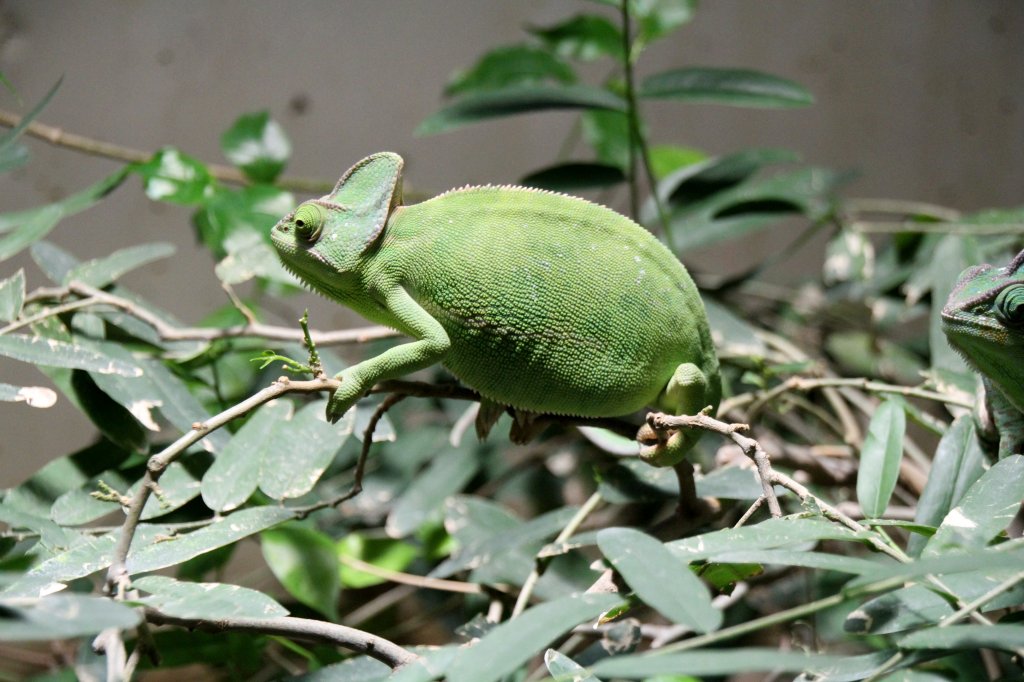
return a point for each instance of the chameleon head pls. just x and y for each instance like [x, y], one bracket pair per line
[323, 240]
[984, 320]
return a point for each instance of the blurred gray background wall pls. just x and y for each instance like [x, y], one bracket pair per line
[924, 98]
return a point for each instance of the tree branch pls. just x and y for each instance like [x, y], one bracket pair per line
[306, 629]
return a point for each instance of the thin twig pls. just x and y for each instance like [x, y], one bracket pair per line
[409, 579]
[60, 138]
[305, 629]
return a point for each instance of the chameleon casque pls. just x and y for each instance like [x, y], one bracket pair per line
[984, 320]
[541, 302]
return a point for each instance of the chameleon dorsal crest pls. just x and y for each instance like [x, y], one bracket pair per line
[368, 192]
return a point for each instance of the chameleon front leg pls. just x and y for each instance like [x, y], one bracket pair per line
[430, 347]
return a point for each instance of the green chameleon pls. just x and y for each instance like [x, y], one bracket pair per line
[541, 302]
[984, 320]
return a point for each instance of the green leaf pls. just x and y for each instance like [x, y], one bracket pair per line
[33, 396]
[385, 553]
[1005, 637]
[29, 226]
[988, 559]
[251, 209]
[62, 616]
[607, 133]
[78, 506]
[574, 176]
[510, 65]
[985, 510]
[700, 181]
[12, 296]
[660, 578]
[518, 99]
[258, 145]
[584, 36]
[100, 272]
[298, 451]
[175, 177]
[799, 557]
[668, 158]
[724, 662]
[53, 353]
[771, 534]
[957, 464]
[952, 255]
[249, 256]
[880, 458]
[178, 487]
[734, 87]
[234, 474]
[224, 531]
[51, 534]
[921, 605]
[12, 154]
[564, 669]
[513, 643]
[446, 475]
[658, 18]
[205, 600]
[304, 561]
[113, 421]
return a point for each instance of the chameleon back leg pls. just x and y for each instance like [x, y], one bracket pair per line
[687, 392]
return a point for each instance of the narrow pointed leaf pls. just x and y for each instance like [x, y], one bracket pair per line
[100, 272]
[564, 669]
[770, 534]
[10, 137]
[725, 662]
[513, 643]
[660, 578]
[958, 463]
[225, 531]
[880, 458]
[734, 87]
[985, 510]
[510, 65]
[206, 600]
[12, 296]
[584, 36]
[572, 177]
[518, 99]
[973, 637]
[53, 353]
[445, 476]
[63, 616]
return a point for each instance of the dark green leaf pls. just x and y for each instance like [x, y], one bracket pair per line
[12, 296]
[607, 133]
[113, 421]
[735, 87]
[725, 662]
[49, 532]
[178, 487]
[304, 561]
[358, 669]
[62, 616]
[510, 65]
[658, 18]
[257, 145]
[989, 559]
[513, 643]
[770, 534]
[880, 458]
[205, 600]
[1006, 637]
[298, 451]
[53, 353]
[659, 578]
[235, 472]
[446, 475]
[224, 531]
[958, 463]
[80, 506]
[175, 177]
[518, 99]
[584, 36]
[572, 177]
[699, 181]
[100, 272]
[12, 154]
[799, 557]
[33, 396]
[985, 510]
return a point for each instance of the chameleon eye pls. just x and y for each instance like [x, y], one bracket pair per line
[309, 222]
[1009, 306]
